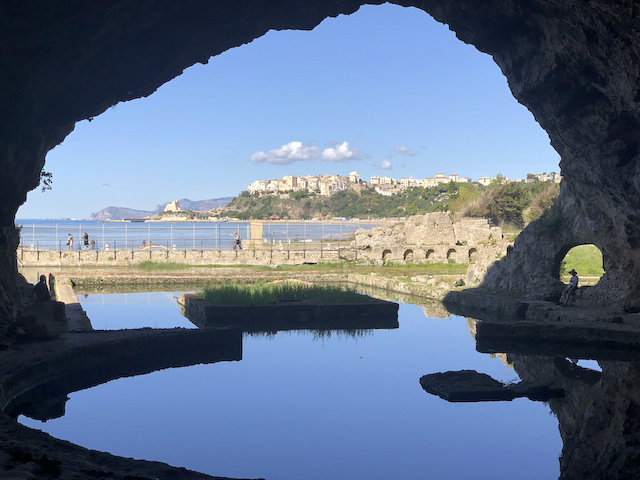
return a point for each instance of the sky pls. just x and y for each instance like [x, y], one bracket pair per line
[386, 91]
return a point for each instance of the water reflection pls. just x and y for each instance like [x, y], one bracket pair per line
[598, 409]
[295, 407]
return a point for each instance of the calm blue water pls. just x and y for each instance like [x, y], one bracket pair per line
[302, 407]
[52, 234]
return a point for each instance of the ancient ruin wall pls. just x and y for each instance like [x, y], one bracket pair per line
[573, 63]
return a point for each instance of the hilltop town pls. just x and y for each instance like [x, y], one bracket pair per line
[327, 185]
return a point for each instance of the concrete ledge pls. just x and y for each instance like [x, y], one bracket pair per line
[284, 316]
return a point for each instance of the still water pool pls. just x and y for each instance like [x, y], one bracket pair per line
[301, 405]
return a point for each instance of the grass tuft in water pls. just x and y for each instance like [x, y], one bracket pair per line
[263, 293]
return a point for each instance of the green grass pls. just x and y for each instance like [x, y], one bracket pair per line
[585, 259]
[263, 293]
[389, 270]
[161, 267]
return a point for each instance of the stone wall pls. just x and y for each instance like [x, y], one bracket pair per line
[106, 258]
[434, 237]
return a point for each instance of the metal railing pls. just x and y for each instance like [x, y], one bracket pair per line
[287, 236]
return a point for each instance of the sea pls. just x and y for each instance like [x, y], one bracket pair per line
[53, 234]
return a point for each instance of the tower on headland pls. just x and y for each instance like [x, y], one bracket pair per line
[173, 207]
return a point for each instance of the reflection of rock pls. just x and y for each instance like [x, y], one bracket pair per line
[599, 416]
[471, 386]
[435, 309]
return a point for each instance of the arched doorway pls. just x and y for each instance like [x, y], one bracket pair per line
[408, 255]
[472, 254]
[451, 255]
[386, 255]
[585, 259]
[429, 255]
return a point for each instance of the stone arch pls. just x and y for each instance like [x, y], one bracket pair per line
[387, 255]
[408, 255]
[430, 254]
[473, 252]
[589, 259]
[451, 254]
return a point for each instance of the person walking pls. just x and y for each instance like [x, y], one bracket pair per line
[70, 242]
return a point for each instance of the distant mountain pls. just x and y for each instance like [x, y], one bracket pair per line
[120, 213]
[198, 205]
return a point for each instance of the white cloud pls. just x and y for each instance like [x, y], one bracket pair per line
[384, 165]
[341, 153]
[289, 153]
[405, 151]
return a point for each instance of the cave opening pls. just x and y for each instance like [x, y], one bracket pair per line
[356, 85]
[586, 259]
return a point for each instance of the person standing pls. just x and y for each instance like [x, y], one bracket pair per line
[85, 237]
[70, 242]
[236, 242]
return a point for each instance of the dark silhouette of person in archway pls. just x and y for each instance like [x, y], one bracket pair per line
[41, 290]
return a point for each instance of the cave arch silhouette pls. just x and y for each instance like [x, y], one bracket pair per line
[559, 57]
[572, 63]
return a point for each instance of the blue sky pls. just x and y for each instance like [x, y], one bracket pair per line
[385, 91]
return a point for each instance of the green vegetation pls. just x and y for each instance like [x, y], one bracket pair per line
[585, 259]
[510, 204]
[513, 204]
[263, 293]
[149, 266]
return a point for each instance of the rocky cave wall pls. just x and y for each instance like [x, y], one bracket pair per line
[573, 63]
